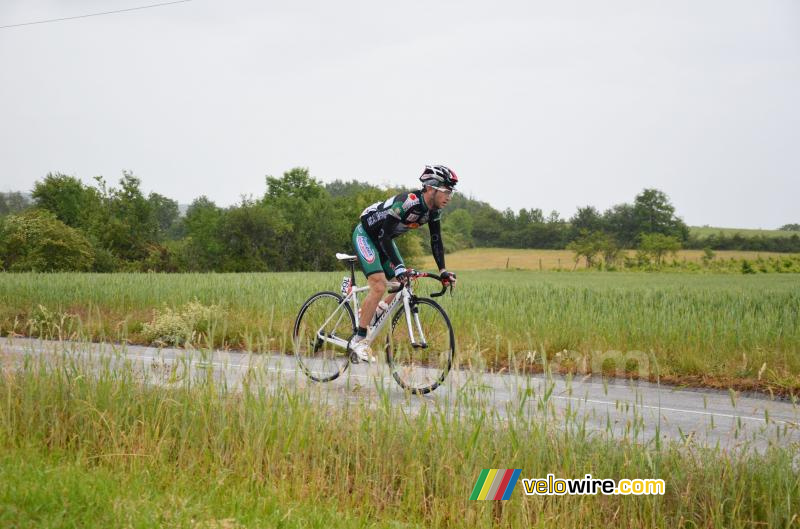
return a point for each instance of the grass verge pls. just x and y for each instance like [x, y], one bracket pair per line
[89, 446]
[44, 488]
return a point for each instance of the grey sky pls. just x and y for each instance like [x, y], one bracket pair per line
[535, 104]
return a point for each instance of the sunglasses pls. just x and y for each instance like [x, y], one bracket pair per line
[444, 190]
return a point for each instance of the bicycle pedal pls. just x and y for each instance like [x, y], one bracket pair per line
[419, 345]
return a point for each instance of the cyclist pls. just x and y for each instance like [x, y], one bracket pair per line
[373, 239]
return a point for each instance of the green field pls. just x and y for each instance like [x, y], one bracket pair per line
[719, 330]
[86, 448]
[704, 231]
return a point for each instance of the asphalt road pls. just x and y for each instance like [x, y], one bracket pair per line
[615, 407]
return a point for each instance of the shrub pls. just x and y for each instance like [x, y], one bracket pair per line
[656, 245]
[708, 255]
[37, 241]
[747, 268]
[180, 326]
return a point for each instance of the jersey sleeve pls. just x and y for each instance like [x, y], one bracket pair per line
[437, 245]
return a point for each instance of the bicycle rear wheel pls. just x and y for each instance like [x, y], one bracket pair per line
[422, 365]
[321, 331]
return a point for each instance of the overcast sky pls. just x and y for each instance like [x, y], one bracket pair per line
[549, 105]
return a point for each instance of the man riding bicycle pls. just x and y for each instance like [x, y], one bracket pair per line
[380, 260]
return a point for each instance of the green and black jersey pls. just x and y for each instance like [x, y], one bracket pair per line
[383, 221]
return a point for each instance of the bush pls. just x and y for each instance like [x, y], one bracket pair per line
[104, 260]
[181, 326]
[747, 268]
[656, 245]
[708, 255]
[36, 240]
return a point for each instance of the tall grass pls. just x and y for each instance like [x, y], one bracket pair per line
[732, 328]
[374, 463]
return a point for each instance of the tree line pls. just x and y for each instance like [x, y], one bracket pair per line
[299, 223]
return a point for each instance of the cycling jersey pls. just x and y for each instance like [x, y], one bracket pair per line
[383, 221]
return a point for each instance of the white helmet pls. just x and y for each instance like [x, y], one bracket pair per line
[439, 175]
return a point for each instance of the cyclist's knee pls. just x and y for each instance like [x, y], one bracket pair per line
[377, 283]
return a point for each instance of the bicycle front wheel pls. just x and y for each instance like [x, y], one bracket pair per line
[420, 359]
[321, 333]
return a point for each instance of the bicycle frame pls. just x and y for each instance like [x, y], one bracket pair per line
[404, 295]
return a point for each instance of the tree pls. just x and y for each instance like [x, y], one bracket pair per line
[653, 213]
[319, 225]
[165, 211]
[610, 250]
[657, 245]
[297, 183]
[620, 221]
[36, 240]
[13, 202]
[250, 233]
[586, 218]
[338, 188]
[790, 227]
[203, 245]
[556, 230]
[587, 245]
[457, 230]
[128, 225]
[316, 231]
[72, 202]
[488, 227]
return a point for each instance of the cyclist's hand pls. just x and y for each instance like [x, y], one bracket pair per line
[448, 278]
[402, 275]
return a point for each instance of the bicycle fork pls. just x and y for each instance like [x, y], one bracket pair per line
[410, 313]
[413, 312]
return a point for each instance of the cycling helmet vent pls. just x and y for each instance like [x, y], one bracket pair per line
[439, 175]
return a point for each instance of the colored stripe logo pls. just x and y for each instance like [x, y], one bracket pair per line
[495, 484]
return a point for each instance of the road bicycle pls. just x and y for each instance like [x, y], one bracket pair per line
[419, 345]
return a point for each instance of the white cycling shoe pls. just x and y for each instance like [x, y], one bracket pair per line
[362, 351]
